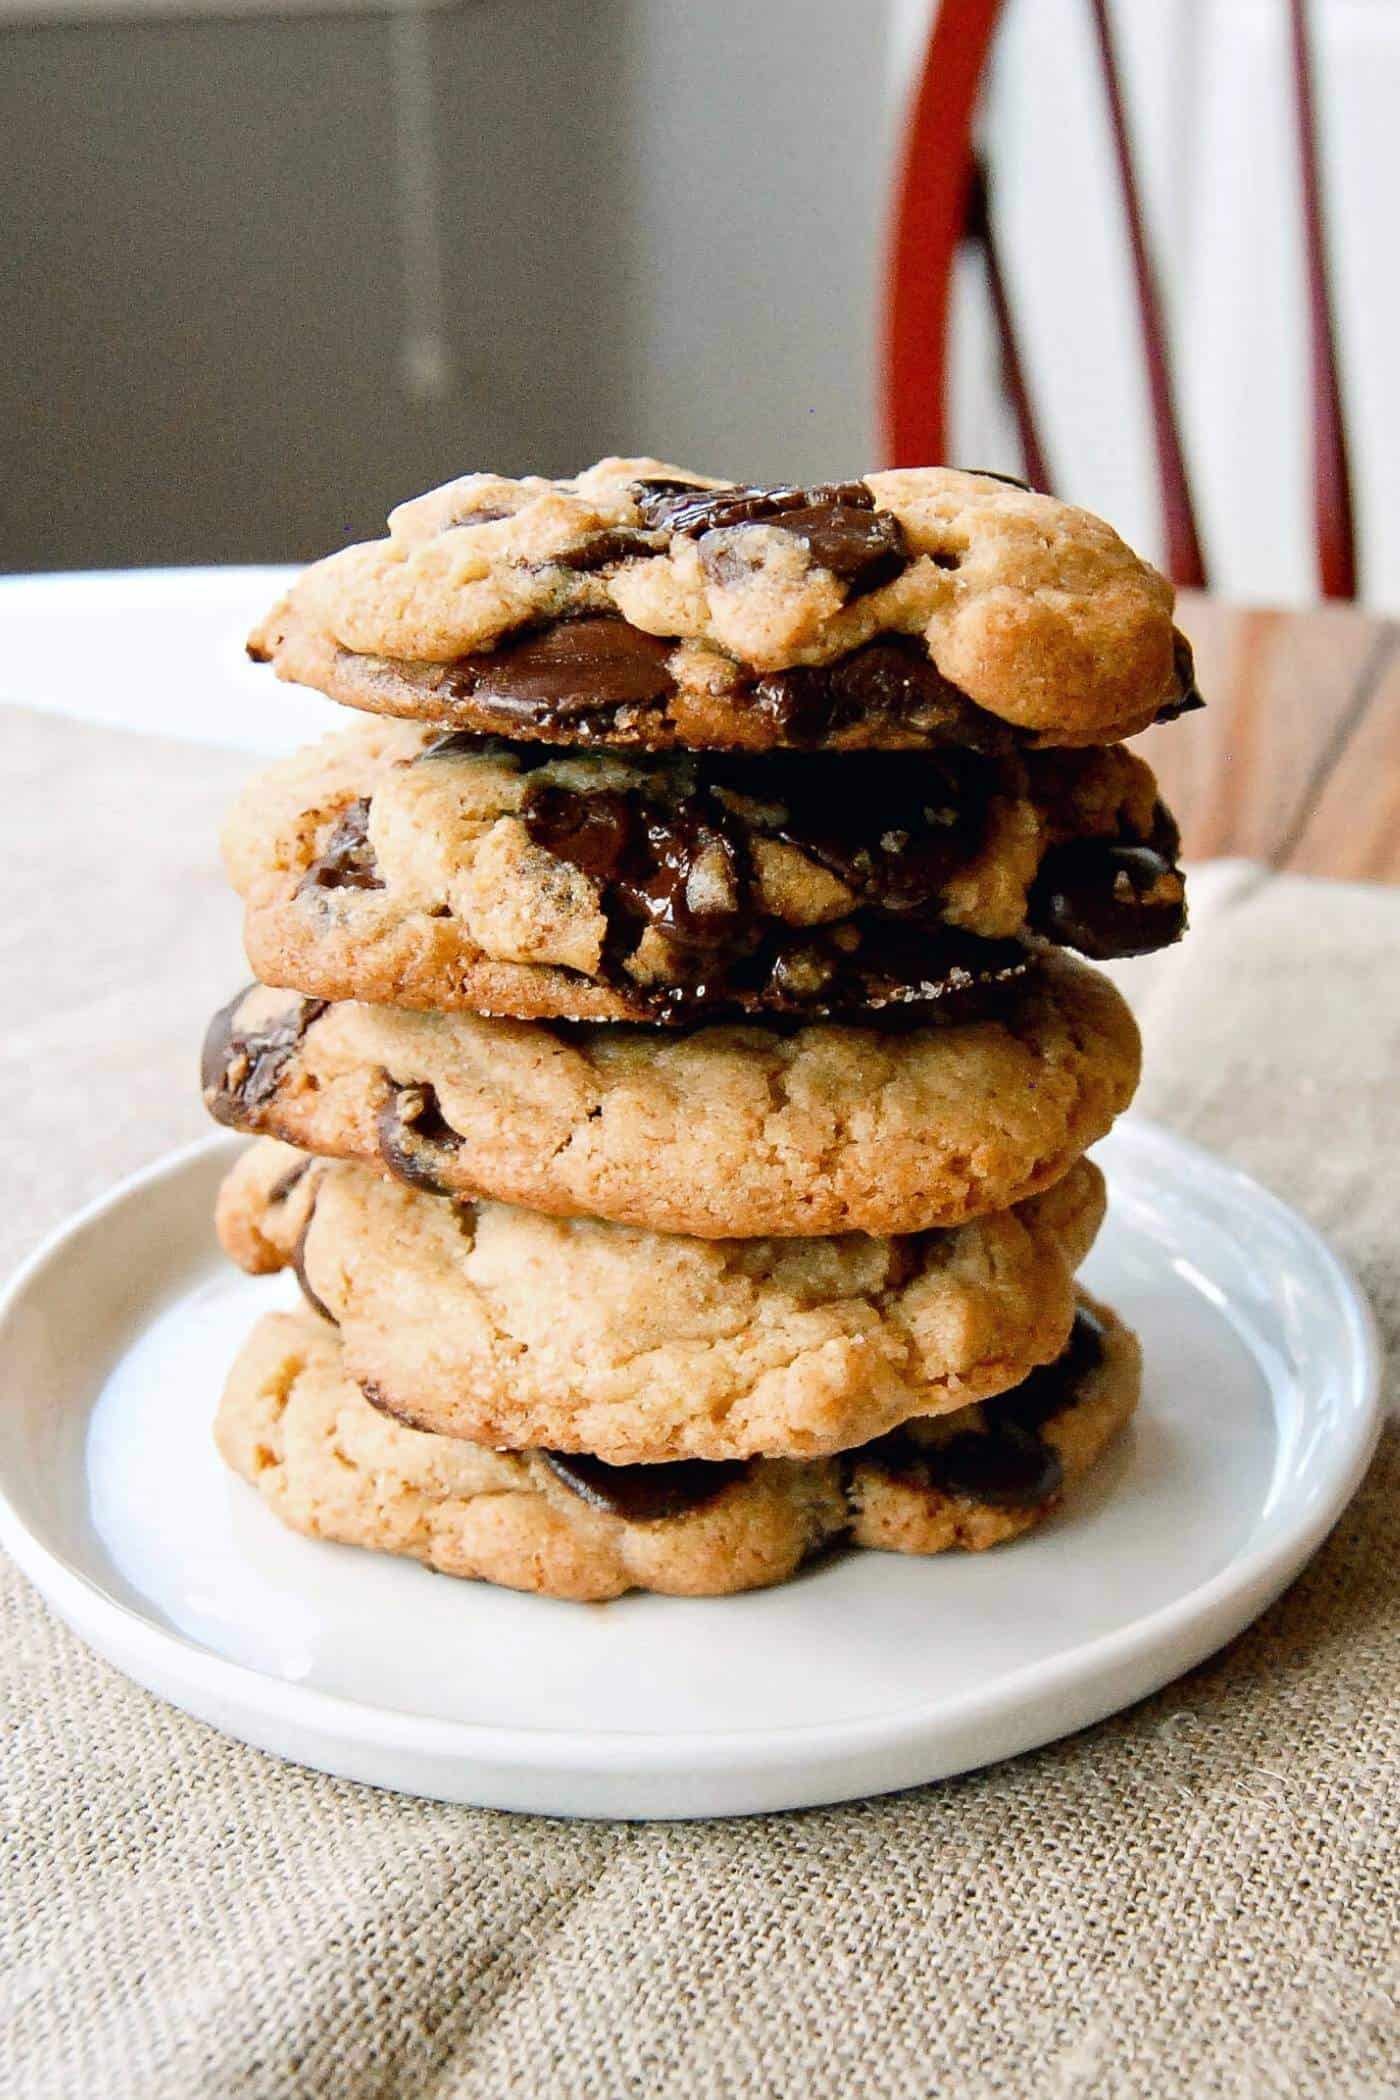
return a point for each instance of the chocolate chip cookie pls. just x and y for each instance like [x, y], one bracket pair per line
[720, 1132]
[296, 1427]
[457, 871]
[639, 603]
[514, 1329]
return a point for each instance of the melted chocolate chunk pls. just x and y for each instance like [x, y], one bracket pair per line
[886, 684]
[945, 1467]
[1188, 698]
[681, 855]
[1164, 836]
[1010, 1469]
[862, 549]
[285, 1183]
[240, 1067]
[987, 999]
[893, 829]
[606, 547]
[854, 970]
[680, 507]
[318, 1305]
[1008, 1464]
[684, 870]
[592, 831]
[347, 861]
[576, 667]
[411, 1124]
[836, 521]
[1053, 1387]
[584, 674]
[1110, 897]
[381, 1402]
[681, 858]
[644, 1494]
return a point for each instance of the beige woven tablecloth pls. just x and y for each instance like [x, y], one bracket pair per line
[1195, 1898]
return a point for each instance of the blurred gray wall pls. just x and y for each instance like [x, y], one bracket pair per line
[662, 231]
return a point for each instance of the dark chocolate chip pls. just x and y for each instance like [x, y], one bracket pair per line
[1007, 1464]
[1010, 1469]
[681, 858]
[646, 857]
[886, 1022]
[347, 860]
[1108, 898]
[657, 497]
[1164, 836]
[603, 548]
[837, 523]
[317, 1305]
[938, 972]
[411, 1125]
[592, 831]
[894, 828]
[644, 1494]
[1052, 1387]
[862, 548]
[240, 1068]
[681, 508]
[384, 1405]
[219, 1039]
[285, 1183]
[573, 667]
[1188, 699]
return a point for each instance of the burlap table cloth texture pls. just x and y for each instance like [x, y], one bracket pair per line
[1195, 1898]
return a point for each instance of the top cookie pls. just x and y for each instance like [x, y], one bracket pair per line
[643, 604]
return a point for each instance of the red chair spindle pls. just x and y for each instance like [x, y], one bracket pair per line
[1336, 547]
[930, 215]
[942, 199]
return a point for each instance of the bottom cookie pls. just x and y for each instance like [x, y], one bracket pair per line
[296, 1427]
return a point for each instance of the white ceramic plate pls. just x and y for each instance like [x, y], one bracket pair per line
[869, 1672]
[146, 627]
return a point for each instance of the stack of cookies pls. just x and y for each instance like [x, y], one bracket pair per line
[670, 1071]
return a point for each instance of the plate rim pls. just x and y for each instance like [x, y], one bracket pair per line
[119, 1629]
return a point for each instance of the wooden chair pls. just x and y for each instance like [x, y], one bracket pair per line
[945, 198]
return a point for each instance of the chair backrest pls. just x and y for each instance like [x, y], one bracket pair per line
[945, 198]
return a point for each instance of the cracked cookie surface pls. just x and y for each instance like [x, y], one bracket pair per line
[294, 1424]
[718, 1132]
[456, 872]
[513, 1329]
[639, 603]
